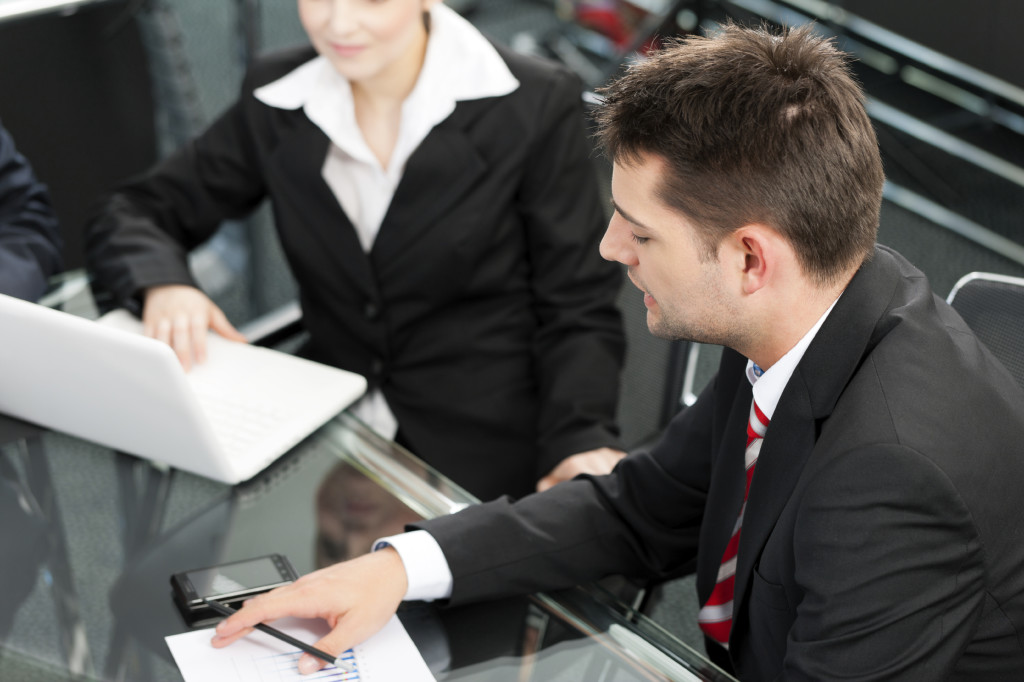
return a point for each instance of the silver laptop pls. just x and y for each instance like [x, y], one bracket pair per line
[226, 419]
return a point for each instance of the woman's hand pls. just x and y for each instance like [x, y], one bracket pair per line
[597, 462]
[179, 315]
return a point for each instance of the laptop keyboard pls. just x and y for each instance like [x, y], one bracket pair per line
[254, 414]
[240, 422]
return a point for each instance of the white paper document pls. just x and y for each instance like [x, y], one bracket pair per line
[388, 656]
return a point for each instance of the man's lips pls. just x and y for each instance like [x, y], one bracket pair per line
[648, 299]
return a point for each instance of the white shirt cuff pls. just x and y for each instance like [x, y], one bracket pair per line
[426, 568]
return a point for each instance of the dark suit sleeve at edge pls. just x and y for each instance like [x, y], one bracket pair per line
[29, 239]
[579, 344]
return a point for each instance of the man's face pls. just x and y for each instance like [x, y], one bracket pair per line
[685, 295]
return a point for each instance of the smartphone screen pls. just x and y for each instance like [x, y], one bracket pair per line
[230, 583]
[237, 578]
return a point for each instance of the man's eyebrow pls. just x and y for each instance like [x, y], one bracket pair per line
[618, 209]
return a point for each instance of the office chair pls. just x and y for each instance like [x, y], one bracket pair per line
[993, 307]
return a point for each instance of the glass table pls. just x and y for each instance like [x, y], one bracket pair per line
[89, 538]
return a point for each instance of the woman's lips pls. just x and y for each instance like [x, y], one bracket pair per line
[347, 50]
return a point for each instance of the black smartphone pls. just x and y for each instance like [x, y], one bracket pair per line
[230, 584]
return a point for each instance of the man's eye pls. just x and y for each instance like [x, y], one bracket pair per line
[639, 240]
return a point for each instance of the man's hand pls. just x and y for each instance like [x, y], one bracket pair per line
[597, 462]
[356, 598]
[179, 315]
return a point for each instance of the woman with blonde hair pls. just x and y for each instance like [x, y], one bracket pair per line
[434, 197]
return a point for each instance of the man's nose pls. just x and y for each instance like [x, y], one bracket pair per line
[616, 244]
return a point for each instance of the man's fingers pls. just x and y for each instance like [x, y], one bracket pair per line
[283, 601]
[356, 598]
[267, 607]
[218, 641]
[348, 632]
[310, 664]
[334, 643]
[260, 609]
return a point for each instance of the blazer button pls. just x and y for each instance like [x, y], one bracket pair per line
[377, 367]
[372, 310]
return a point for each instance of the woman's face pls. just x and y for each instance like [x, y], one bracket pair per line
[367, 39]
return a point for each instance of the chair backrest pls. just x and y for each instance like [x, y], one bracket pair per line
[993, 306]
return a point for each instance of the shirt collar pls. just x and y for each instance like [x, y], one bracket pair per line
[459, 65]
[769, 385]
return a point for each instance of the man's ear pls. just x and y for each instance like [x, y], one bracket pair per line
[754, 251]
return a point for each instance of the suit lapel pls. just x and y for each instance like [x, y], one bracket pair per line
[438, 174]
[786, 447]
[298, 163]
[809, 399]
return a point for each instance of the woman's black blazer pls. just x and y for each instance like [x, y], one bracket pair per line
[483, 312]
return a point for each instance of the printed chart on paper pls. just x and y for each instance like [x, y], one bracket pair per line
[388, 656]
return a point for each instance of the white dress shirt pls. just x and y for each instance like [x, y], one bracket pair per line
[769, 384]
[427, 570]
[460, 64]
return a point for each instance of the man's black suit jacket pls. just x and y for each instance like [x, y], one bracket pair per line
[883, 537]
[484, 311]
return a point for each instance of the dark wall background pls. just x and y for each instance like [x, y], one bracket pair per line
[985, 34]
[75, 94]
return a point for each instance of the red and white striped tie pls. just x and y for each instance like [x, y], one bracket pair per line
[715, 618]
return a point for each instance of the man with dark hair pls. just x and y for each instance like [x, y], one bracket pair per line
[29, 241]
[753, 128]
[846, 485]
